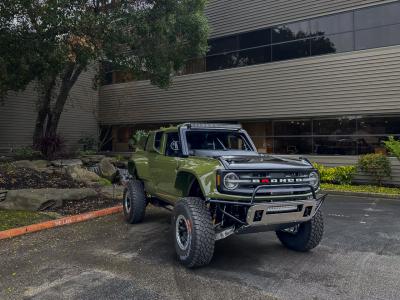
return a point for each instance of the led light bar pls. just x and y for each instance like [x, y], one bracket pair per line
[282, 208]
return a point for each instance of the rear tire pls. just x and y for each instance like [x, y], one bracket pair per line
[307, 236]
[134, 202]
[193, 231]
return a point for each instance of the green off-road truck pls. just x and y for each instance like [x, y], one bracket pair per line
[217, 184]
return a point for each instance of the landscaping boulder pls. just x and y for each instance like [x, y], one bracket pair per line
[107, 169]
[66, 162]
[91, 160]
[38, 165]
[36, 199]
[80, 174]
[112, 192]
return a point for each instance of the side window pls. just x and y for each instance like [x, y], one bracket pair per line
[157, 140]
[173, 146]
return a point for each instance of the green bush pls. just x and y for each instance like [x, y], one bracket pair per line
[88, 144]
[393, 146]
[138, 140]
[25, 153]
[377, 165]
[104, 182]
[340, 175]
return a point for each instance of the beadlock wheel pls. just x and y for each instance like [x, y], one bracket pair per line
[183, 232]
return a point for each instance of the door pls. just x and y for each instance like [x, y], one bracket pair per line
[164, 167]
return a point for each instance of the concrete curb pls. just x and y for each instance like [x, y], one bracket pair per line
[59, 222]
[358, 194]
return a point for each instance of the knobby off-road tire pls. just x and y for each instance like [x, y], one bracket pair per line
[307, 237]
[197, 248]
[134, 202]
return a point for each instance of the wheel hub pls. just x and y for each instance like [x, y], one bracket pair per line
[183, 232]
[127, 203]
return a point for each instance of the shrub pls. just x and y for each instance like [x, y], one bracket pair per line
[88, 144]
[104, 182]
[340, 175]
[377, 165]
[393, 146]
[138, 139]
[25, 153]
[50, 146]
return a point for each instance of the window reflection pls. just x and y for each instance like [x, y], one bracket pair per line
[332, 24]
[332, 44]
[339, 126]
[290, 32]
[332, 136]
[378, 37]
[296, 49]
[377, 16]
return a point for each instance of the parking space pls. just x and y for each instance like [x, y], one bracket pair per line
[359, 258]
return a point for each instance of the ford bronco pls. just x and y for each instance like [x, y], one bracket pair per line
[217, 184]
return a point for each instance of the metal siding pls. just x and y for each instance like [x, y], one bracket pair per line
[79, 118]
[232, 16]
[362, 82]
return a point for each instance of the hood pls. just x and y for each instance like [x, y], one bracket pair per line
[264, 162]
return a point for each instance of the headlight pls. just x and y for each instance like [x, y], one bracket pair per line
[231, 181]
[314, 179]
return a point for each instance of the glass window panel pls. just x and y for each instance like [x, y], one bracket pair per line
[289, 32]
[377, 16]
[291, 50]
[293, 145]
[293, 127]
[334, 145]
[378, 37]
[340, 126]
[380, 125]
[222, 45]
[370, 144]
[332, 44]
[219, 62]
[258, 128]
[332, 24]
[254, 56]
[255, 38]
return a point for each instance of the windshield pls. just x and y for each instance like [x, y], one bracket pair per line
[217, 140]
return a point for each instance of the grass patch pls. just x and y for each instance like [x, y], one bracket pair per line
[16, 218]
[361, 189]
[104, 182]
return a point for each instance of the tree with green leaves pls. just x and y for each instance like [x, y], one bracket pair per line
[51, 42]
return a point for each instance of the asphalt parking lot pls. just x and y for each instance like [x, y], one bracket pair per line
[359, 258]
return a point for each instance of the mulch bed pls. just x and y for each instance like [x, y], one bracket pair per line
[86, 205]
[23, 178]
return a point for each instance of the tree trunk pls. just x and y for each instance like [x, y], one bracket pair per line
[68, 80]
[43, 109]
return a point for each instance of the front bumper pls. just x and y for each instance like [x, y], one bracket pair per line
[273, 215]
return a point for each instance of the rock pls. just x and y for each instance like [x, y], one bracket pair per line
[92, 159]
[80, 174]
[107, 169]
[38, 165]
[111, 192]
[35, 199]
[66, 162]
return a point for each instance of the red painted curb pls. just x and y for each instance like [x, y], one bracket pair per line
[59, 222]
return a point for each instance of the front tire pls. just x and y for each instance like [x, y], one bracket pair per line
[306, 236]
[193, 232]
[134, 202]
